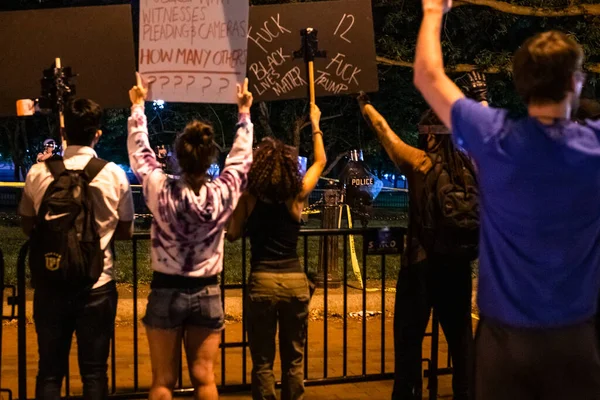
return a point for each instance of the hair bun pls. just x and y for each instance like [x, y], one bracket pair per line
[207, 136]
[195, 148]
[198, 134]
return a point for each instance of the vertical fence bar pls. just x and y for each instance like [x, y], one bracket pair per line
[433, 370]
[181, 353]
[244, 294]
[223, 331]
[364, 316]
[21, 322]
[113, 365]
[328, 240]
[1, 311]
[345, 311]
[68, 381]
[306, 335]
[135, 316]
[383, 314]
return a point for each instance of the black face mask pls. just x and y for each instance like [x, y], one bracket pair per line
[435, 143]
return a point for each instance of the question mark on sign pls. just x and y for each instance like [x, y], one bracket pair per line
[178, 80]
[208, 84]
[164, 81]
[148, 83]
[190, 83]
[226, 84]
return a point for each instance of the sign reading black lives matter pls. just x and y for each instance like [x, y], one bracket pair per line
[345, 32]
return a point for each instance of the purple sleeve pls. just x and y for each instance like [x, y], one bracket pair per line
[474, 125]
[141, 156]
[232, 181]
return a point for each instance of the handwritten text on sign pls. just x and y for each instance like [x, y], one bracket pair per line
[345, 32]
[195, 49]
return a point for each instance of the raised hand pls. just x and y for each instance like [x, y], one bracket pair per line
[363, 99]
[315, 116]
[437, 5]
[244, 98]
[139, 92]
[476, 86]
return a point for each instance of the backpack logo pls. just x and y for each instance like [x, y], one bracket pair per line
[50, 217]
[52, 261]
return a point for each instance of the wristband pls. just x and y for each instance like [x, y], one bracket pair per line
[317, 132]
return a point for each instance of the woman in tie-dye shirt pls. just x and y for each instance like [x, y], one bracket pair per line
[187, 243]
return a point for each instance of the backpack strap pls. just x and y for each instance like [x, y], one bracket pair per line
[56, 166]
[93, 168]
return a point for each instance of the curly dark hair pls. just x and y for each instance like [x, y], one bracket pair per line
[275, 172]
[195, 148]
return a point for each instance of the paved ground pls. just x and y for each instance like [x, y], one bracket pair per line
[349, 391]
[378, 329]
[234, 367]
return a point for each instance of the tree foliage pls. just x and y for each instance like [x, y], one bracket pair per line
[477, 33]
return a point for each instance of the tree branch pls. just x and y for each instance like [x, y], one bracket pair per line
[571, 11]
[265, 118]
[590, 67]
[307, 123]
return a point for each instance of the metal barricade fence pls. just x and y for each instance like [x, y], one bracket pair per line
[11, 316]
[346, 375]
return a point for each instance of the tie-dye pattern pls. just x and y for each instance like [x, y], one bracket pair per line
[188, 229]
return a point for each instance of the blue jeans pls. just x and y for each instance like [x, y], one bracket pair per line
[91, 315]
[173, 308]
[277, 298]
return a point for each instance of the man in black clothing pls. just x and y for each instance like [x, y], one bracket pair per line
[425, 280]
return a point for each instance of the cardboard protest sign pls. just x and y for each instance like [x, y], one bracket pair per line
[96, 42]
[345, 32]
[195, 49]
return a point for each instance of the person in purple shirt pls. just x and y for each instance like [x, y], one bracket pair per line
[539, 176]
[188, 228]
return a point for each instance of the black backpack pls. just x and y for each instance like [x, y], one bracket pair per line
[65, 249]
[449, 212]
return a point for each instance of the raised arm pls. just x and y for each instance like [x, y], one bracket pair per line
[141, 156]
[429, 76]
[320, 158]
[232, 181]
[403, 155]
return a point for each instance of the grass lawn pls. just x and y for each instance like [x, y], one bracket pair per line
[12, 239]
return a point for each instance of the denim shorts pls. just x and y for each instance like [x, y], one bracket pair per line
[175, 308]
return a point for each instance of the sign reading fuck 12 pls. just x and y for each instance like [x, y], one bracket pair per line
[195, 51]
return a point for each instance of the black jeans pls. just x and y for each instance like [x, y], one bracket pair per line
[273, 298]
[91, 315]
[536, 364]
[447, 288]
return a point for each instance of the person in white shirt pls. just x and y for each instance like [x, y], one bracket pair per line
[90, 313]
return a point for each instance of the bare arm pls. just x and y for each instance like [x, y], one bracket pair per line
[320, 158]
[429, 76]
[235, 230]
[404, 156]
